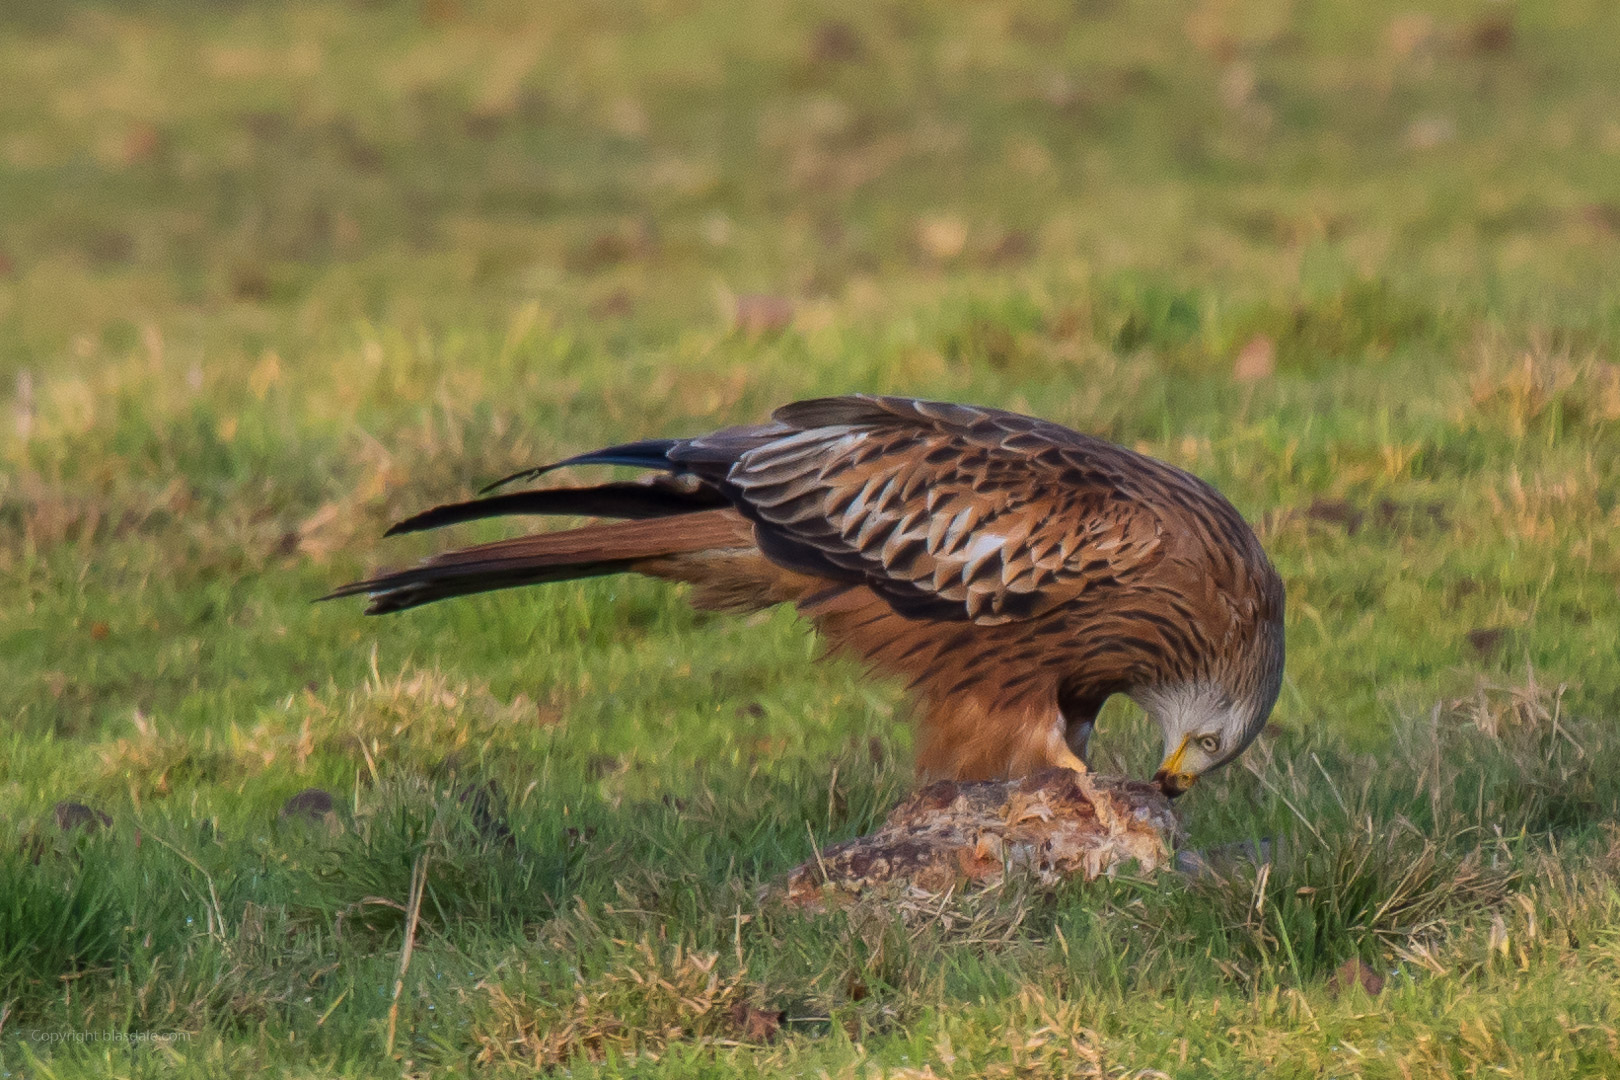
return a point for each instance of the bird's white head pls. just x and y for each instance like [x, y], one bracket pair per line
[1205, 725]
[1208, 721]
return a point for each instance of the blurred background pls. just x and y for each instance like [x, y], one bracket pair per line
[234, 175]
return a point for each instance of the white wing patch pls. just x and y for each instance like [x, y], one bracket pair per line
[979, 549]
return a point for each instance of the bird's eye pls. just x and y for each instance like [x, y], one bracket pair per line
[1209, 743]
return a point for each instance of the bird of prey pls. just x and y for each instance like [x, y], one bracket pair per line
[1014, 572]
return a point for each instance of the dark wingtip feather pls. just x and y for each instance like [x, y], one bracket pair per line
[645, 454]
[521, 476]
[397, 600]
[439, 516]
[382, 599]
[354, 588]
[658, 496]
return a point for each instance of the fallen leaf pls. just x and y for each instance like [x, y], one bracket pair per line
[1256, 360]
[757, 1025]
[942, 238]
[140, 144]
[1412, 34]
[1428, 132]
[754, 313]
[1355, 973]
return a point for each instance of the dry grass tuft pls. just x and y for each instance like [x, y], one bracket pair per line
[153, 762]
[653, 996]
[1360, 890]
[1508, 713]
[418, 716]
[1045, 1036]
[1522, 389]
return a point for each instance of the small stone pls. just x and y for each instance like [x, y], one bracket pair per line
[487, 808]
[1492, 34]
[72, 816]
[311, 804]
[836, 42]
[1336, 512]
[1487, 641]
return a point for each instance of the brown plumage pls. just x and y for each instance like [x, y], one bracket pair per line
[1014, 572]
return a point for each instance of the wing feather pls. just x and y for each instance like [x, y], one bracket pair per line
[948, 511]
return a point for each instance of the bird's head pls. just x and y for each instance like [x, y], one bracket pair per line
[1196, 740]
[1207, 724]
[1203, 729]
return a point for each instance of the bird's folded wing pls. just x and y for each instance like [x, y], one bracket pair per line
[947, 511]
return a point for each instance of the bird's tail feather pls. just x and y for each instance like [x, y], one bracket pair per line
[589, 551]
[643, 454]
[658, 497]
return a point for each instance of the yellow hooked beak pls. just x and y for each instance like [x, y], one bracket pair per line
[1170, 777]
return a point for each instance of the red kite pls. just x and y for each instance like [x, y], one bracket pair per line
[1014, 572]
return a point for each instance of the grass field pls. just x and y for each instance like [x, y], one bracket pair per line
[275, 274]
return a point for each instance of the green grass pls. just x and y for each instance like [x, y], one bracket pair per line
[274, 275]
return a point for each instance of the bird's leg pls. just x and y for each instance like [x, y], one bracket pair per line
[1078, 736]
[1079, 711]
[1046, 746]
[961, 739]
[1071, 761]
